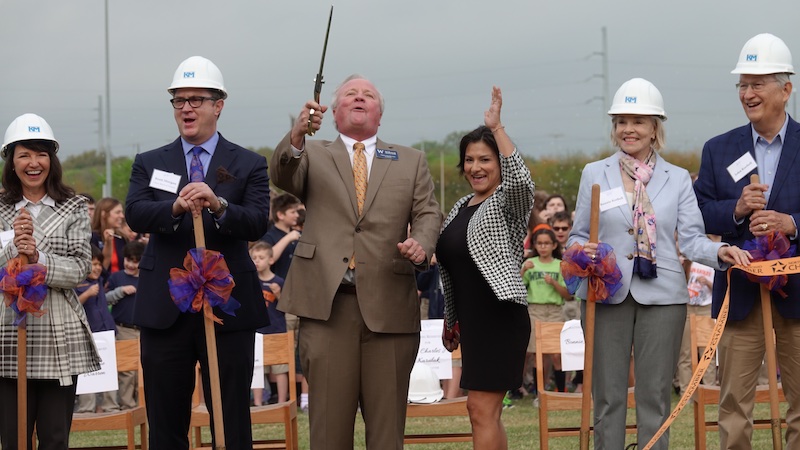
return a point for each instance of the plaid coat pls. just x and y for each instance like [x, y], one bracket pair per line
[60, 342]
[495, 235]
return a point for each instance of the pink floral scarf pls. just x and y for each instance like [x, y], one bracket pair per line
[644, 216]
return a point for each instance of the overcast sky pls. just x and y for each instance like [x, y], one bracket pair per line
[434, 60]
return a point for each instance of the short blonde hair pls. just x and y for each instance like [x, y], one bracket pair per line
[261, 246]
[660, 140]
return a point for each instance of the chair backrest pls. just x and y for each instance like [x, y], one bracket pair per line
[548, 341]
[129, 359]
[701, 328]
[127, 355]
[279, 349]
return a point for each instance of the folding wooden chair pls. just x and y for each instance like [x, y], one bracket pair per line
[453, 407]
[278, 349]
[128, 419]
[548, 341]
[701, 328]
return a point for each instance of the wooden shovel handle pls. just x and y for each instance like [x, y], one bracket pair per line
[588, 361]
[211, 349]
[771, 357]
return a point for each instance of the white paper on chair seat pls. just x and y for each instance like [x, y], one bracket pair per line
[258, 363]
[105, 379]
[572, 346]
[432, 351]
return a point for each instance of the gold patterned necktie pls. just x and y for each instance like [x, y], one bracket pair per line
[360, 175]
[360, 179]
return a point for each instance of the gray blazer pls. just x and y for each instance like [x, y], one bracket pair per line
[675, 204]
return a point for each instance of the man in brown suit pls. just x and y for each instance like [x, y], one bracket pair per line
[359, 319]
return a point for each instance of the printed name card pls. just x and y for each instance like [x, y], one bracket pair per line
[105, 379]
[612, 198]
[6, 237]
[572, 346]
[432, 351]
[742, 167]
[165, 181]
[258, 364]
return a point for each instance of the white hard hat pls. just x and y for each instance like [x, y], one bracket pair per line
[764, 54]
[27, 127]
[639, 97]
[423, 387]
[198, 72]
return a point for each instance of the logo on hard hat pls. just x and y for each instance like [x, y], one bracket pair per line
[188, 74]
[630, 99]
[752, 58]
[33, 129]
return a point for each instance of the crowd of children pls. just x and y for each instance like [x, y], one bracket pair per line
[108, 296]
[272, 256]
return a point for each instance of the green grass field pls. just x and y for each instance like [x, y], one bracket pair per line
[521, 422]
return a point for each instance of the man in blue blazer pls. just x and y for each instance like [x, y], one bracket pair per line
[739, 211]
[199, 173]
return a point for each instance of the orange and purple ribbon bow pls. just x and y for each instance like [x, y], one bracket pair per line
[206, 277]
[767, 248]
[23, 288]
[603, 273]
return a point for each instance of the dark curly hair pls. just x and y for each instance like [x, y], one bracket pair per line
[54, 186]
[480, 134]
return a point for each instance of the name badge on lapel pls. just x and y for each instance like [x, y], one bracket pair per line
[742, 166]
[6, 237]
[165, 181]
[612, 198]
[386, 154]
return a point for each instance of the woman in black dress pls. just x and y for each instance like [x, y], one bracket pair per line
[480, 253]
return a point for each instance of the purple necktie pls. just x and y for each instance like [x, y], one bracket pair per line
[196, 167]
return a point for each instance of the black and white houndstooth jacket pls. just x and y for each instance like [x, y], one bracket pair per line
[495, 235]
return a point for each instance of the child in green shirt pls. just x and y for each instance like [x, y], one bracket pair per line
[547, 291]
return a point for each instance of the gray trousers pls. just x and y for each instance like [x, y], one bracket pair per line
[654, 334]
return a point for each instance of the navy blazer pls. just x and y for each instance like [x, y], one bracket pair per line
[235, 173]
[717, 194]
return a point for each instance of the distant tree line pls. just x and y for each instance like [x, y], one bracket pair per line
[559, 174]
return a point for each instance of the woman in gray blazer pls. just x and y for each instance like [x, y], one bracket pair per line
[480, 253]
[643, 201]
[50, 226]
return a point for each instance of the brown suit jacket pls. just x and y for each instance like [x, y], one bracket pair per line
[400, 192]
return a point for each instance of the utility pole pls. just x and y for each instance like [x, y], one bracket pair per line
[606, 99]
[100, 145]
[441, 178]
[107, 186]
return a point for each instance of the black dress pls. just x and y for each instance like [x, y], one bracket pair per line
[494, 333]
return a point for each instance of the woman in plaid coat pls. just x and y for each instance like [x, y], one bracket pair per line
[44, 220]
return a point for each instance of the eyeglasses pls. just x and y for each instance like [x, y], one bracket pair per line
[194, 102]
[756, 87]
[560, 228]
